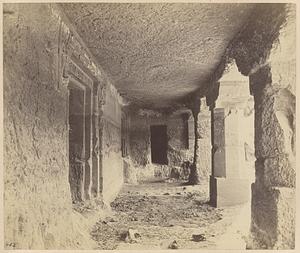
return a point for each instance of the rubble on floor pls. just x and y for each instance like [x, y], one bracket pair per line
[153, 215]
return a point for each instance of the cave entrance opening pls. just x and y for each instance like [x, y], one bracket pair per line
[159, 144]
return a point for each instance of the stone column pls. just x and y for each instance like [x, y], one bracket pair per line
[204, 141]
[194, 177]
[198, 168]
[191, 134]
[273, 193]
[229, 182]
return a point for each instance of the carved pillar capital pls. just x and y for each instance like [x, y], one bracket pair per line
[233, 89]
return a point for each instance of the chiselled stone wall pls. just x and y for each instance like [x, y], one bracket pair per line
[39, 55]
[140, 143]
[37, 200]
[111, 146]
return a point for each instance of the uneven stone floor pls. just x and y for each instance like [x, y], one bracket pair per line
[162, 212]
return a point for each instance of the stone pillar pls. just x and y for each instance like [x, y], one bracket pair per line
[204, 141]
[194, 177]
[273, 193]
[191, 133]
[199, 167]
[229, 182]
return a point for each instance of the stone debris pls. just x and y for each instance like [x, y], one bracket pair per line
[134, 219]
[199, 237]
[112, 220]
[157, 217]
[132, 236]
[108, 219]
[173, 245]
[170, 180]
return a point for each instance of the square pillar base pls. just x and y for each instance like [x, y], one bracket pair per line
[228, 191]
[273, 217]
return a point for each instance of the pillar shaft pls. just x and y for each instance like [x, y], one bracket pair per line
[229, 182]
[201, 142]
[273, 193]
[194, 177]
[204, 142]
[197, 136]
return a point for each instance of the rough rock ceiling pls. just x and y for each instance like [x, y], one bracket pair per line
[158, 53]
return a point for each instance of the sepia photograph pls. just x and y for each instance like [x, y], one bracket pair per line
[149, 125]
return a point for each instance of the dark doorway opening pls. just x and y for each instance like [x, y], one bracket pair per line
[76, 143]
[159, 144]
